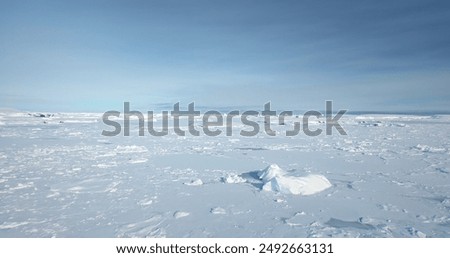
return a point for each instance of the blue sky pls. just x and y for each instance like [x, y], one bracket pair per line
[94, 55]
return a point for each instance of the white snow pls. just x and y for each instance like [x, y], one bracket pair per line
[12, 225]
[195, 182]
[389, 177]
[234, 179]
[426, 148]
[180, 214]
[270, 173]
[218, 210]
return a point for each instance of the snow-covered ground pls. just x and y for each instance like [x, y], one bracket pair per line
[389, 177]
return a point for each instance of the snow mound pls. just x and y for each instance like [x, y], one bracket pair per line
[276, 179]
[195, 182]
[271, 172]
[218, 210]
[180, 214]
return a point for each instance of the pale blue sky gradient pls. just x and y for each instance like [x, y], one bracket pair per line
[94, 55]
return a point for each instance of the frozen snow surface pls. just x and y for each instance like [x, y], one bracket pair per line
[59, 177]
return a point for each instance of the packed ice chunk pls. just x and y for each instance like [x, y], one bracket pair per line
[271, 172]
[195, 182]
[234, 179]
[276, 179]
[180, 214]
[130, 149]
[218, 210]
[426, 148]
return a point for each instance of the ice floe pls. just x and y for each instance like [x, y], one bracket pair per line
[277, 180]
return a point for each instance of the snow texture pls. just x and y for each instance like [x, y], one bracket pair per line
[59, 177]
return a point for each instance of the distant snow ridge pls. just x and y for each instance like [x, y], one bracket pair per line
[276, 179]
[130, 149]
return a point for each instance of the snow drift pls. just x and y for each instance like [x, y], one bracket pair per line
[277, 180]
